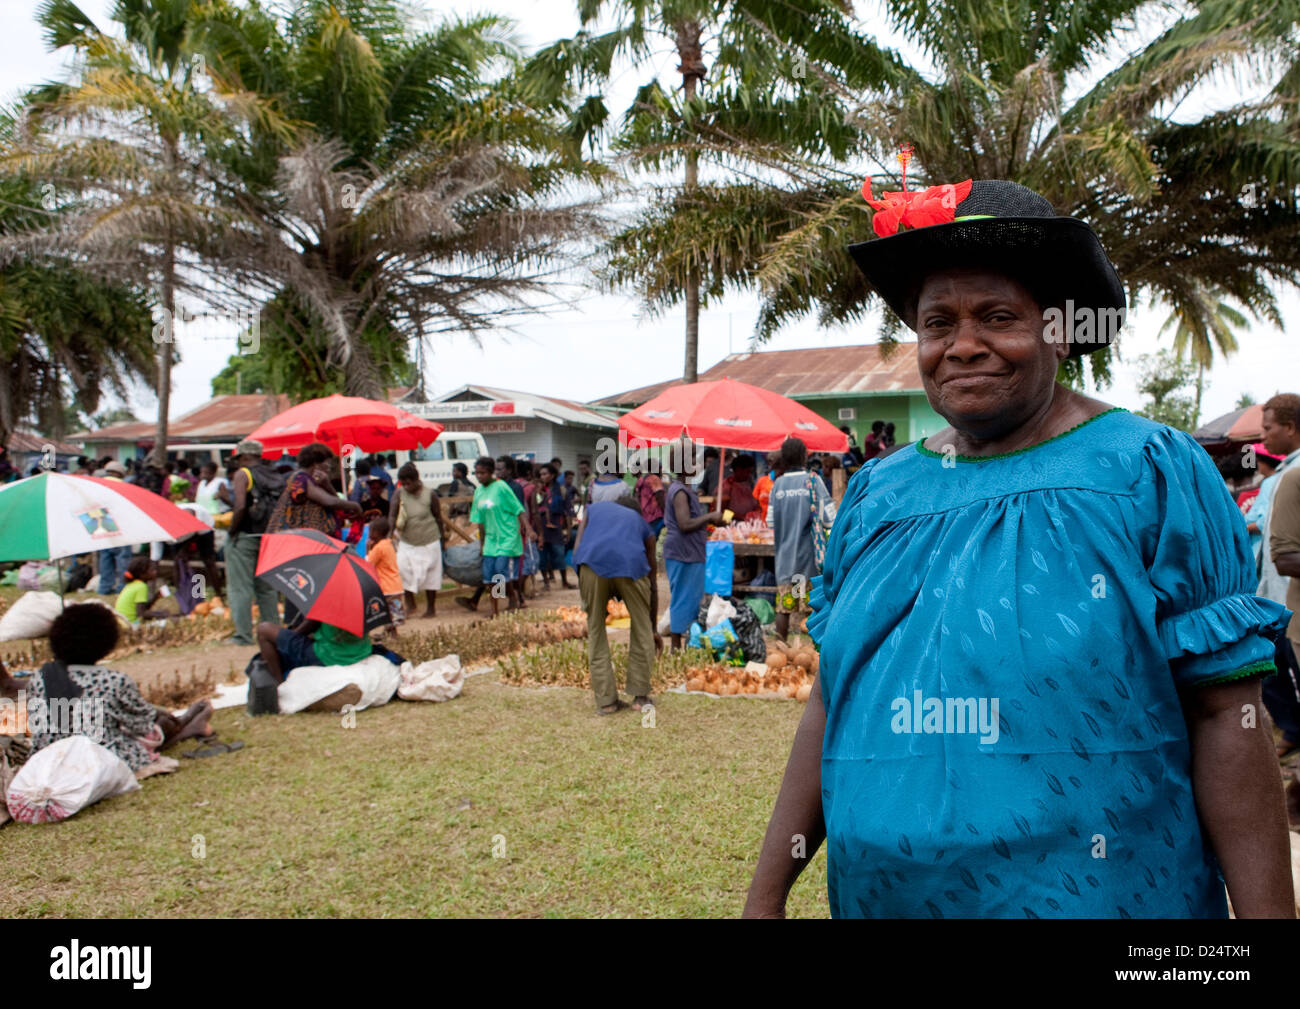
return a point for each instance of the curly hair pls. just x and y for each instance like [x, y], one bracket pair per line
[83, 634]
[313, 455]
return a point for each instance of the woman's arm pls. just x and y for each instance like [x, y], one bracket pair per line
[682, 511]
[1239, 796]
[328, 499]
[796, 829]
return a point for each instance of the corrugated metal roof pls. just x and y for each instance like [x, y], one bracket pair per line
[224, 418]
[566, 411]
[817, 371]
[26, 441]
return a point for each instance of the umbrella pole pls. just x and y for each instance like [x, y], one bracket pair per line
[58, 564]
[722, 504]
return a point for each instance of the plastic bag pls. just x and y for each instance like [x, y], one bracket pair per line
[65, 778]
[763, 610]
[719, 561]
[463, 563]
[720, 642]
[31, 616]
[746, 627]
[27, 576]
[720, 609]
[436, 680]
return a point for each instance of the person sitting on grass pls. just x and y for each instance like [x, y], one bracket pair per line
[384, 559]
[75, 696]
[309, 643]
[135, 601]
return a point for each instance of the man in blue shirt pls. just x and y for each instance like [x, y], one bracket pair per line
[615, 556]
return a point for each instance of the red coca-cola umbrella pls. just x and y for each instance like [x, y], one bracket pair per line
[345, 423]
[325, 578]
[731, 414]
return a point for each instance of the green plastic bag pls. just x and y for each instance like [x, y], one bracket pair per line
[764, 610]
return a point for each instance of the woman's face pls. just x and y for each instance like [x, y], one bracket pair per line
[983, 361]
[411, 485]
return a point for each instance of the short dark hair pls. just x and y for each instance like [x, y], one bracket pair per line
[207, 464]
[139, 566]
[83, 634]
[877, 426]
[314, 454]
[379, 528]
[409, 471]
[460, 469]
[1286, 408]
[557, 463]
[523, 468]
[794, 454]
[742, 462]
[548, 467]
[363, 467]
[486, 462]
[507, 464]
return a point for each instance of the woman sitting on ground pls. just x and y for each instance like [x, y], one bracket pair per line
[73, 696]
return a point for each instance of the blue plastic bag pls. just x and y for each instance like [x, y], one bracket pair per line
[719, 561]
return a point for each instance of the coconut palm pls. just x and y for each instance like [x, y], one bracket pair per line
[125, 141]
[1201, 320]
[756, 113]
[1008, 91]
[417, 192]
[65, 337]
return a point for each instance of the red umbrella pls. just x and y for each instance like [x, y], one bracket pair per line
[343, 423]
[731, 414]
[326, 579]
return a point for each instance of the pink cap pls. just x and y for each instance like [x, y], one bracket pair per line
[1260, 449]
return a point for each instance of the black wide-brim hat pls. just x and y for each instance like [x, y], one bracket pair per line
[1014, 230]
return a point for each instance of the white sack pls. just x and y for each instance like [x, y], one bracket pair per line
[31, 616]
[65, 778]
[435, 680]
[375, 676]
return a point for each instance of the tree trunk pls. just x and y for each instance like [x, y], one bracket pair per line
[692, 70]
[169, 332]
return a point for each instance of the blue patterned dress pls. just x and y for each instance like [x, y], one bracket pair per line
[1002, 644]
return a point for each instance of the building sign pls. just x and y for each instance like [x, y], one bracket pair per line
[486, 426]
[468, 408]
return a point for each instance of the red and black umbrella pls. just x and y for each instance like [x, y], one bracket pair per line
[326, 579]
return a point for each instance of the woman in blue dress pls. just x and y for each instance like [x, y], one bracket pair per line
[1040, 644]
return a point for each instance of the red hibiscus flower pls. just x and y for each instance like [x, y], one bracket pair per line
[916, 209]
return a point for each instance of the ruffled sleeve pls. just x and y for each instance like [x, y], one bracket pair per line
[1212, 626]
[825, 586]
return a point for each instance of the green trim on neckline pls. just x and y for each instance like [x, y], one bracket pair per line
[920, 445]
[1262, 666]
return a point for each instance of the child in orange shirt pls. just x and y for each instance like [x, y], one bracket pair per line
[384, 558]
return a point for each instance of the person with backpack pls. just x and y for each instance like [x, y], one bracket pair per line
[257, 488]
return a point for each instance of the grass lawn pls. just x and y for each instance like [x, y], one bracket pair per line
[400, 815]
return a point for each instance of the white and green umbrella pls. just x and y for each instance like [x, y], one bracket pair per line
[55, 515]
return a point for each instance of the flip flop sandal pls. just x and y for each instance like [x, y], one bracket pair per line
[639, 706]
[620, 705]
[215, 750]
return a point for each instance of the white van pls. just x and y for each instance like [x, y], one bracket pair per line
[435, 461]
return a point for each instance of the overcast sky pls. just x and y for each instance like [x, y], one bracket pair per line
[602, 346]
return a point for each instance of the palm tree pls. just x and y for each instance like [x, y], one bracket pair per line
[1004, 93]
[762, 110]
[65, 337]
[127, 138]
[417, 191]
[1202, 320]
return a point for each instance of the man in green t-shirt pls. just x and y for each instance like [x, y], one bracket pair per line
[503, 524]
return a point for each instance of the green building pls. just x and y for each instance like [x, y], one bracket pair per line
[850, 386]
